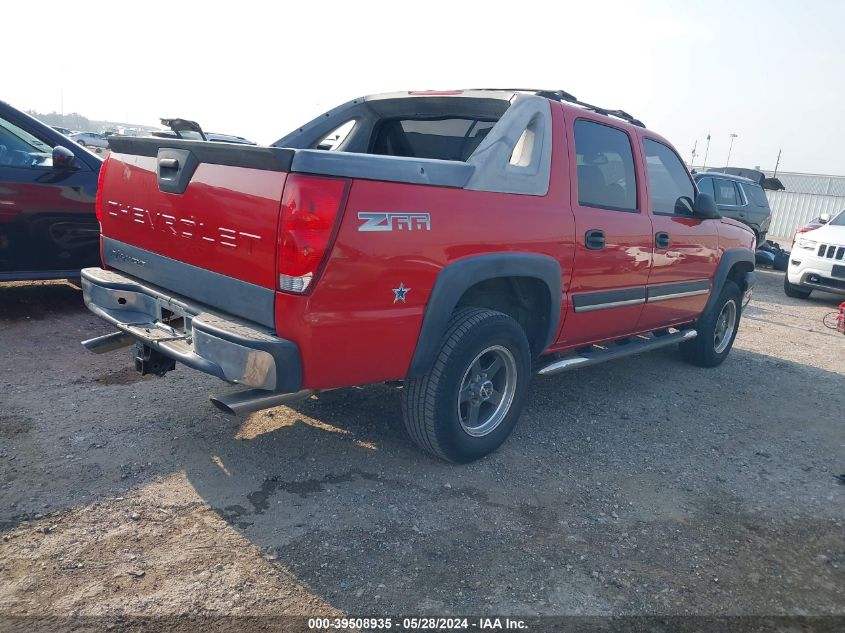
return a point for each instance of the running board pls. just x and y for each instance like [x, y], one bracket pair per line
[634, 346]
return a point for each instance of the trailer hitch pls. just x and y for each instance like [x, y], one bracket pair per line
[150, 361]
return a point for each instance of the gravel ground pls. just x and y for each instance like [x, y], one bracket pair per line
[644, 486]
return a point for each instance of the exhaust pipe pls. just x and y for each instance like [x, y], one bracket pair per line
[244, 402]
[109, 342]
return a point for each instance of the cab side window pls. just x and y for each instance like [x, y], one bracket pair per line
[668, 180]
[605, 163]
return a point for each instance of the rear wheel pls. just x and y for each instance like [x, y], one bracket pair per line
[796, 292]
[81, 143]
[470, 400]
[716, 330]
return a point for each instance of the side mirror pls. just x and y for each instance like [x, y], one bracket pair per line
[824, 218]
[62, 157]
[705, 207]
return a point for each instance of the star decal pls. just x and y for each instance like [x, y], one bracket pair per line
[400, 293]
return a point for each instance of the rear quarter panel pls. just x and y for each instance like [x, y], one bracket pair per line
[352, 324]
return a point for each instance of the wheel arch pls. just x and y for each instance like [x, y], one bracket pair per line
[736, 264]
[475, 281]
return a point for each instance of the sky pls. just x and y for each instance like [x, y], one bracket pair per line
[770, 72]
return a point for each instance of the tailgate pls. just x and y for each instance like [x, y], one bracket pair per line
[197, 218]
[212, 205]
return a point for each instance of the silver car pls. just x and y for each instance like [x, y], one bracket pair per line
[90, 139]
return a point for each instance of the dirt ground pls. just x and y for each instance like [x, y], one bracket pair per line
[645, 486]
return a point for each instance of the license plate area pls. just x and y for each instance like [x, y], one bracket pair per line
[173, 319]
[838, 271]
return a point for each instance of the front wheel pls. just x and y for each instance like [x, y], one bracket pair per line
[796, 292]
[470, 400]
[716, 330]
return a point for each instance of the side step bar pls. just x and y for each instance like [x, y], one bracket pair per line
[634, 346]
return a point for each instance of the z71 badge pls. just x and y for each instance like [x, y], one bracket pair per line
[377, 221]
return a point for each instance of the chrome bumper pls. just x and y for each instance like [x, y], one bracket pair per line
[220, 345]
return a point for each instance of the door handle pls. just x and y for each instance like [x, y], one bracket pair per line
[168, 163]
[594, 239]
[661, 239]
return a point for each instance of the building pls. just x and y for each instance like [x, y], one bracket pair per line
[806, 196]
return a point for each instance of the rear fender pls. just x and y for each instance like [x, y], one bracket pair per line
[456, 278]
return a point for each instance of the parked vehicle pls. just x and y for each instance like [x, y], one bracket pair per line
[47, 189]
[815, 223]
[90, 139]
[755, 175]
[62, 130]
[457, 241]
[817, 261]
[191, 130]
[738, 198]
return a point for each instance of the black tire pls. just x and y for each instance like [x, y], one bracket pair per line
[796, 292]
[81, 143]
[709, 349]
[431, 408]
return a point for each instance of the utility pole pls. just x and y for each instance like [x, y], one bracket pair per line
[706, 151]
[775, 175]
[692, 158]
[733, 136]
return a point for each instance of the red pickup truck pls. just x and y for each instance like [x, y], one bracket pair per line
[456, 241]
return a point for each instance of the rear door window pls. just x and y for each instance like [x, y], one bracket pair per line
[726, 192]
[605, 163]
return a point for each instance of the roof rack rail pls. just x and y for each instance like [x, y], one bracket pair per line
[562, 95]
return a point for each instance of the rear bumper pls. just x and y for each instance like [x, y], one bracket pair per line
[231, 349]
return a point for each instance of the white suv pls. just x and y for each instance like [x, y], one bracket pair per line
[817, 260]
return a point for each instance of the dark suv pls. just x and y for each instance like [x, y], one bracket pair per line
[738, 198]
[47, 187]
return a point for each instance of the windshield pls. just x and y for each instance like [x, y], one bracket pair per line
[19, 148]
[839, 220]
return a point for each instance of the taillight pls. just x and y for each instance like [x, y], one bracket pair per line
[310, 212]
[98, 200]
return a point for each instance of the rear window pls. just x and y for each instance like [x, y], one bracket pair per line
[444, 139]
[756, 195]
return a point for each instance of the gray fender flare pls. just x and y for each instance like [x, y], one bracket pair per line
[730, 258]
[456, 278]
